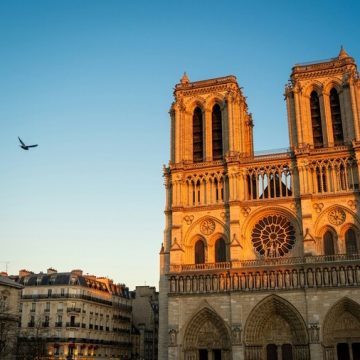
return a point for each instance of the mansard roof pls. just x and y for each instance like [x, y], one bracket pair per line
[8, 282]
[75, 279]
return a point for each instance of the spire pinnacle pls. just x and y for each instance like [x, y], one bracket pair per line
[342, 54]
[184, 80]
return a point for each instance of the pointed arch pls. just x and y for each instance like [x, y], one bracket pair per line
[336, 120]
[217, 136]
[351, 247]
[206, 330]
[329, 243]
[316, 120]
[264, 312]
[341, 322]
[198, 134]
[220, 250]
[199, 252]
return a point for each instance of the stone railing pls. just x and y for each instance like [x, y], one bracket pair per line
[239, 264]
[282, 273]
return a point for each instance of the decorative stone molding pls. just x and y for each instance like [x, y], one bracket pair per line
[224, 216]
[236, 334]
[318, 207]
[317, 274]
[337, 216]
[172, 337]
[235, 242]
[245, 211]
[314, 333]
[308, 236]
[189, 219]
[295, 206]
[352, 204]
[273, 236]
[207, 226]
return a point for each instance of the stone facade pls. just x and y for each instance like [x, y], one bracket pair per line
[260, 258]
[10, 292]
[145, 306]
[74, 316]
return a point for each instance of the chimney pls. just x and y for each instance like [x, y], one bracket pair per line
[77, 272]
[24, 272]
[50, 271]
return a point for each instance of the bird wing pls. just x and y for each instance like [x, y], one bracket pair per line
[32, 145]
[22, 143]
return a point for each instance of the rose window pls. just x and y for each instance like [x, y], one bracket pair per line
[273, 236]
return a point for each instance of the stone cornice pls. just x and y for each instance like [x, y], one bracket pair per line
[324, 68]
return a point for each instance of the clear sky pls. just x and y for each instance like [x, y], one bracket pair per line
[91, 82]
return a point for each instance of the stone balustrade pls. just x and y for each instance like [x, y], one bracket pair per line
[253, 275]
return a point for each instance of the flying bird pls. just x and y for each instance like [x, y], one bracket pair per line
[26, 147]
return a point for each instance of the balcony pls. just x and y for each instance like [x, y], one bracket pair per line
[264, 262]
[72, 324]
[286, 273]
[31, 324]
[45, 324]
[73, 310]
[58, 324]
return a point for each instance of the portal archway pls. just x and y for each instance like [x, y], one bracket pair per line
[207, 337]
[275, 329]
[342, 330]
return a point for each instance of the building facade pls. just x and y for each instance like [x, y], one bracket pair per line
[145, 306]
[10, 292]
[260, 258]
[74, 316]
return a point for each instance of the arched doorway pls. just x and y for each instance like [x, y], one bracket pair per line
[342, 331]
[275, 330]
[207, 337]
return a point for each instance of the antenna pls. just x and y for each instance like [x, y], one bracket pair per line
[6, 265]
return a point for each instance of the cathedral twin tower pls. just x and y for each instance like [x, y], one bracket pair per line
[260, 258]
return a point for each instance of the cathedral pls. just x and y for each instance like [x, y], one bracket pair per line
[261, 253]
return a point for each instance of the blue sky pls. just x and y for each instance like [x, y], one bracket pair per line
[91, 82]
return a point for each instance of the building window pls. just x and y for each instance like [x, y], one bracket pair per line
[273, 236]
[220, 251]
[271, 352]
[49, 292]
[316, 120]
[217, 142]
[329, 248]
[350, 242]
[199, 252]
[198, 135]
[336, 117]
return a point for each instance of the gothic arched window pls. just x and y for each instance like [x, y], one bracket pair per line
[329, 248]
[217, 143]
[336, 117]
[220, 250]
[198, 135]
[350, 242]
[199, 252]
[316, 120]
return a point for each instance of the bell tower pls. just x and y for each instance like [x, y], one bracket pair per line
[322, 101]
[211, 131]
[209, 120]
